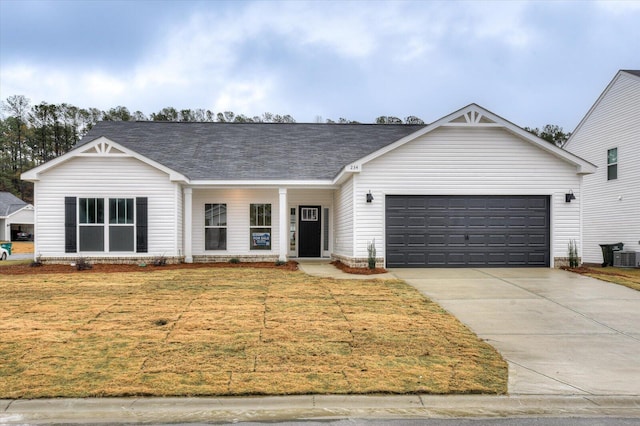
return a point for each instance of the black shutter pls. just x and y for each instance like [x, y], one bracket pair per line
[141, 225]
[70, 225]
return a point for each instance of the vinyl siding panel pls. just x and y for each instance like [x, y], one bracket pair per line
[611, 209]
[238, 203]
[467, 161]
[105, 177]
[23, 216]
[343, 221]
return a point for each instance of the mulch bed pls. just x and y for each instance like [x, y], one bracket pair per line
[108, 268]
[583, 270]
[360, 271]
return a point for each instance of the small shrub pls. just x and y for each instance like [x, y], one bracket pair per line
[280, 263]
[234, 260]
[160, 260]
[573, 254]
[371, 248]
[82, 264]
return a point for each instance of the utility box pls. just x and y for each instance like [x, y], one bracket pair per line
[626, 259]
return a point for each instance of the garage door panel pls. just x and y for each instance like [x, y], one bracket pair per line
[468, 231]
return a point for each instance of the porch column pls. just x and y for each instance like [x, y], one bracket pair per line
[284, 225]
[188, 222]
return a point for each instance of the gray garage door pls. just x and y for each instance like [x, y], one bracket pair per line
[460, 231]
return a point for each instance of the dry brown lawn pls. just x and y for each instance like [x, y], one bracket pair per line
[628, 277]
[231, 331]
[21, 247]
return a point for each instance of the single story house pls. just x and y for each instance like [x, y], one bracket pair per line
[16, 218]
[609, 137]
[470, 189]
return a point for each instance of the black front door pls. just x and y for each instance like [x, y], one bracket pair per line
[309, 231]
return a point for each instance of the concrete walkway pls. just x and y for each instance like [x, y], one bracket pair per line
[562, 333]
[323, 268]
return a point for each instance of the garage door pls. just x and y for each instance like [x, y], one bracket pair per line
[460, 231]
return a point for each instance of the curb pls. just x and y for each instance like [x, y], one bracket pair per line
[309, 407]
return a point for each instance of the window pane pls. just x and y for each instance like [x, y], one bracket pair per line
[121, 210]
[253, 214]
[129, 211]
[121, 238]
[99, 210]
[82, 204]
[325, 230]
[215, 215]
[292, 229]
[91, 238]
[260, 239]
[612, 172]
[267, 215]
[612, 156]
[215, 238]
[113, 210]
[91, 210]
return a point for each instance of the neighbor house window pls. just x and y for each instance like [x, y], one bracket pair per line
[91, 224]
[612, 164]
[215, 226]
[260, 226]
[121, 225]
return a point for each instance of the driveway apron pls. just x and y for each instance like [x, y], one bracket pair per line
[561, 333]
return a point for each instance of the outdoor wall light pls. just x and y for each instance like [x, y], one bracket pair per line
[569, 196]
[369, 197]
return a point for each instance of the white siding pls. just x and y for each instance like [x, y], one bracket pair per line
[105, 177]
[467, 161]
[23, 216]
[611, 209]
[238, 202]
[343, 220]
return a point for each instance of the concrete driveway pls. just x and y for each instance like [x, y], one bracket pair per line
[560, 332]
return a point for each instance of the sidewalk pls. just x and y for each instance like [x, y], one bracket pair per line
[306, 407]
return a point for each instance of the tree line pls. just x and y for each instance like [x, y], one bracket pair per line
[34, 134]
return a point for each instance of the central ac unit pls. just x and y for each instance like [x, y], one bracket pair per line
[626, 259]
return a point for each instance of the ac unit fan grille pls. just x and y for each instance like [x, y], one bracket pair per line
[626, 259]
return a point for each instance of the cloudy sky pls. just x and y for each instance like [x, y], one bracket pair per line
[532, 62]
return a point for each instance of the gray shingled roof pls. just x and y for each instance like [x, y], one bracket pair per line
[243, 151]
[10, 204]
[634, 72]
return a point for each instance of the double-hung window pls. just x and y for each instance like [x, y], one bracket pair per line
[215, 226]
[612, 164]
[120, 232]
[121, 224]
[260, 226]
[91, 224]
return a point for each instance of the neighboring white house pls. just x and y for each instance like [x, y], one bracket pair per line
[470, 189]
[16, 218]
[609, 137]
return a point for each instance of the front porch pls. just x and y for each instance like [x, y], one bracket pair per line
[257, 224]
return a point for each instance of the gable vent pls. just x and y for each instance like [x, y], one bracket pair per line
[626, 259]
